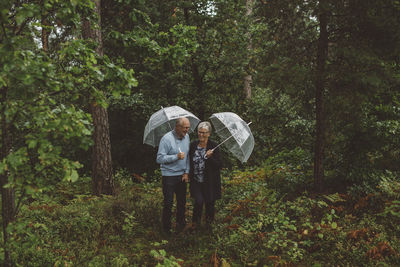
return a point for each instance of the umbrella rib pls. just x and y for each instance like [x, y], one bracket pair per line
[232, 135]
[168, 121]
[156, 128]
[166, 115]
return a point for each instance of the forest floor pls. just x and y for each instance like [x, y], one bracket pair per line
[259, 222]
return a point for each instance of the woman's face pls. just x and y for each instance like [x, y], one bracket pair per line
[203, 134]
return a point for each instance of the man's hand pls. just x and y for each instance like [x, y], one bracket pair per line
[185, 177]
[181, 155]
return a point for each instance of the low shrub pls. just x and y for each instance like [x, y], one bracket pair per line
[256, 224]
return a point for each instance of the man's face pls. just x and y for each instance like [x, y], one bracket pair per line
[183, 128]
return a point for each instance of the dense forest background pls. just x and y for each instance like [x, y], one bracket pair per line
[319, 80]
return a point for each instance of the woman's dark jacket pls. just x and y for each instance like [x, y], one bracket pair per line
[212, 176]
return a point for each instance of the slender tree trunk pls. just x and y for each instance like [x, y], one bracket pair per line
[199, 85]
[322, 54]
[197, 78]
[102, 179]
[7, 194]
[45, 33]
[248, 79]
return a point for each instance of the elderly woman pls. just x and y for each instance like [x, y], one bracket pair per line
[205, 179]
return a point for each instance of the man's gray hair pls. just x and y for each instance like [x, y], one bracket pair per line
[180, 120]
[204, 125]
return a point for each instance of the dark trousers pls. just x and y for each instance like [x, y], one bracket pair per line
[200, 199]
[173, 185]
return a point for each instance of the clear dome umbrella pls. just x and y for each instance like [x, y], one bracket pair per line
[163, 121]
[235, 132]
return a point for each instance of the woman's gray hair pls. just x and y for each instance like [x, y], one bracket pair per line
[204, 125]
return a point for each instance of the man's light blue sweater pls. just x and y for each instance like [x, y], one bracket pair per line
[167, 156]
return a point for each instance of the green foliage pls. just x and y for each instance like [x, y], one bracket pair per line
[41, 126]
[93, 74]
[262, 228]
[182, 55]
[48, 234]
[196, 54]
[289, 171]
[45, 95]
[254, 225]
[393, 209]
[163, 260]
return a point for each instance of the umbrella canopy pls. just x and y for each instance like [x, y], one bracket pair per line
[236, 132]
[163, 121]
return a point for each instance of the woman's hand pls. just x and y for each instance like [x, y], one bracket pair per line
[209, 153]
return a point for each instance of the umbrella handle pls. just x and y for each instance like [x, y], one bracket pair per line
[226, 140]
[222, 143]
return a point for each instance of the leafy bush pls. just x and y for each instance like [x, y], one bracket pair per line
[255, 224]
[289, 171]
[47, 234]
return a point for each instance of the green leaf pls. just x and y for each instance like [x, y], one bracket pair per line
[19, 19]
[71, 175]
[3, 167]
[8, 185]
[2, 82]
[116, 93]
[32, 143]
[74, 176]
[30, 190]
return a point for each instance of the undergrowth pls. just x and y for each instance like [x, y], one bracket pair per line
[258, 223]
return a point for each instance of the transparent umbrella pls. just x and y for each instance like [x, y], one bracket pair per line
[163, 121]
[235, 132]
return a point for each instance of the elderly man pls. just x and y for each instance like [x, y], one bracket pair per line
[172, 156]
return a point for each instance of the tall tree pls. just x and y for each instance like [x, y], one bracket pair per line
[42, 127]
[35, 127]
[248, 78]
[357, 71]
[7, 194]
[322, 54]
[102, 176]
[45, 25]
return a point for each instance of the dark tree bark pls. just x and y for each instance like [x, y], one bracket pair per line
[197, 78]
[102, 179]
[45, 37]
[103, 182]
[45, 33]
[199, 85]
[322, 54]
[7, 194]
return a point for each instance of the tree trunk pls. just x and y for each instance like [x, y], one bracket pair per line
[102, 179]
[199, 85]
[7, 194]
[322, 54]
[248, 79]
[197, 79]
[45, 34]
